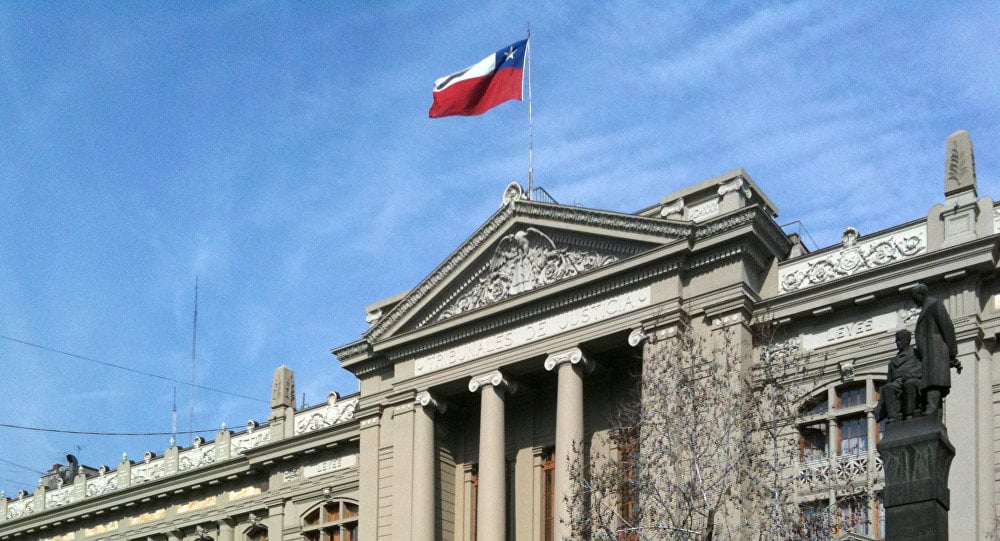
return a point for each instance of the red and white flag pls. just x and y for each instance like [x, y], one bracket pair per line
[482, 86]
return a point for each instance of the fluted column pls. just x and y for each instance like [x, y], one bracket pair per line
[424, 454]
[491, 512]
[569, 366]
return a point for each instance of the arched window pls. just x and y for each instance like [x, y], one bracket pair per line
[331, 521]
[257, 533]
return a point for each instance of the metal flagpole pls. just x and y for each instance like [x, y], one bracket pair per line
[531, 124]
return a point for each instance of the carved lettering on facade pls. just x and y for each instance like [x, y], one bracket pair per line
[332, 465]
[525, 334]
[850, 330]
[523, 261]
[701, 211]
[853, 329]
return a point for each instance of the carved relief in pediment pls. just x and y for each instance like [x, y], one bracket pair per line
[524, 260]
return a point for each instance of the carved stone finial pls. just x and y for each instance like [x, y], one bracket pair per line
[960, 164]
[848, 237]
[283, 388]
[513, 192]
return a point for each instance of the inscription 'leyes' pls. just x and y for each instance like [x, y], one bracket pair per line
[849, 330]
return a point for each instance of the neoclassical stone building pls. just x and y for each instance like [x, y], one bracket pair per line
[478, 382]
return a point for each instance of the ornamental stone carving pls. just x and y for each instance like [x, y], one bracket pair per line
[197, 457]
[425, 399]
[844, 471]
[523, 261]
[960, 164]
[853, 257]
[494, 378]
[676, 207]
[734, 185]
[334, 412]
[571, 356]
[513, 192]
[102, 484]
[146, 472]
[248, 440]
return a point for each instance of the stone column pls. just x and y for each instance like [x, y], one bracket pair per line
[368, 470]
[424, 461]
[569, 430]
[491, 512]
[227, 530]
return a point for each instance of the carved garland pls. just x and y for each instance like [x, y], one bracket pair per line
[852, 259]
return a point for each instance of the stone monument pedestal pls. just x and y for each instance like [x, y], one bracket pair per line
[916, 456]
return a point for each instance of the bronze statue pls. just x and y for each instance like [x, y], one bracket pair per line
[936, 348]
[902, 387]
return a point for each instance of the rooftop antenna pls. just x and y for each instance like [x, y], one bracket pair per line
[194, 357]
[173, 415]
[531, 123]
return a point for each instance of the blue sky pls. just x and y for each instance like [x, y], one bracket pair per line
[282, 154]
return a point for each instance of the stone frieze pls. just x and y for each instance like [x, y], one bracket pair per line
[853, 257]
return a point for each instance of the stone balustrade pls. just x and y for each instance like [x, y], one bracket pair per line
[175, 460]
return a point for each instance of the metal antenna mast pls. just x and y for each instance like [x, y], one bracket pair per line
[531, 123]
[194, 357]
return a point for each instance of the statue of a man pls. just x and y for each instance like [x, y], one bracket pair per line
[936, 348]
[902, 387]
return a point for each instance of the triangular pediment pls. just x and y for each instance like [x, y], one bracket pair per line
[524, 247]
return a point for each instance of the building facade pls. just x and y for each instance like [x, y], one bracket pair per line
[478, 383]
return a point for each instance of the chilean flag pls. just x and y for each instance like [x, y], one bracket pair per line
[482, 86]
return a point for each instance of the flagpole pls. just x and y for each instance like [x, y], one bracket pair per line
[531, 124]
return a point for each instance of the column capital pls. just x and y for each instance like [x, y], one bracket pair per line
[494, 378]
[426, 399]
[573, 356]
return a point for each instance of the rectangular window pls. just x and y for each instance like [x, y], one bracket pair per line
[854, 516]
[853, 435]
[814, 516]
[854, 395]
[814, 442]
